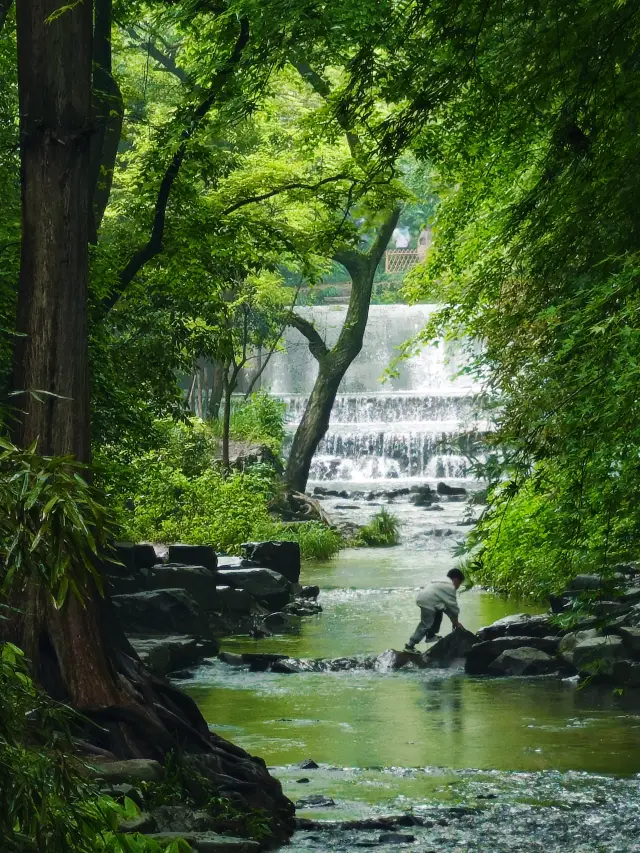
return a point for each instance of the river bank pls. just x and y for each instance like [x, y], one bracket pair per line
[518, 753]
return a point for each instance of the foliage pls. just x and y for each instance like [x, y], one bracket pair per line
[382, 531]
[195, 791]
[177, 493]
[53, 527]
[537, 255]
[260, 420]
[47, 805]
[316, 540]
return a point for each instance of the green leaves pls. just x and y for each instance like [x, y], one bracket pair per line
[53, 528]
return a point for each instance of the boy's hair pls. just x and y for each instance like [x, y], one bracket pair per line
[456, 574]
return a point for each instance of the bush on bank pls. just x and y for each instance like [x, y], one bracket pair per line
[539, 534]
[177, 493]
[47, 804]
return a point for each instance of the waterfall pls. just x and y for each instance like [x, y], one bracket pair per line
[403, 428]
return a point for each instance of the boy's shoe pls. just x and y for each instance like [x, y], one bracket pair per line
[434, 638]
[409, 648]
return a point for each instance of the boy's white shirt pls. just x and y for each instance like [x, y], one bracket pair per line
[440, 595]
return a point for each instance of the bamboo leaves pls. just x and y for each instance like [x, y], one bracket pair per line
[53, 528]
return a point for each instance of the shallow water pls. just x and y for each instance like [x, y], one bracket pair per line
[417, 741]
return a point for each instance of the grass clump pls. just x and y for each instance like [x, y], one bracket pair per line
[316, 540]
[382, 531]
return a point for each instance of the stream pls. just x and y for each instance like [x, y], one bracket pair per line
[481, 764]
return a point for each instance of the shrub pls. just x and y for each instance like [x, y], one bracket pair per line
[316, 540]
[382, 531]
[47, 806]
[259, 419]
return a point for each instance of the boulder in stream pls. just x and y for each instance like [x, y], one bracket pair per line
[161, 611]
[523, 661]
[164, 655]
[196, 580]
[263, 584]
[596, 655]
[482, 655]
[520, 625]
[392, 659]
[281, 557]
[452, 649]
[631, 639]
[450, 491]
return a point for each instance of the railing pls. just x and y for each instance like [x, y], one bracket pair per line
[400, 260]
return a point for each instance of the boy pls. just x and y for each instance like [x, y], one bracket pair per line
[434, 600]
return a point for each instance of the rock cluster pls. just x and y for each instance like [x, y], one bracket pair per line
[230, 772]
[174, 603]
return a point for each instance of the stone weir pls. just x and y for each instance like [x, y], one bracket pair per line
[410, 426]
[389, 436]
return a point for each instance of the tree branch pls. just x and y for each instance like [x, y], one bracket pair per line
[154, 244]
[323, 88]
[383, 236]
[317, 346]
[296, 185]
[167, 61]
[273, 348]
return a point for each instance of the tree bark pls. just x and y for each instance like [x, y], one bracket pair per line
[108, 109]
[54, 81]
[226, 418]
[334, 363]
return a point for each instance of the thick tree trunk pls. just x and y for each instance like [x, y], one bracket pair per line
[334, 363]
[313, 425]
[54, 77]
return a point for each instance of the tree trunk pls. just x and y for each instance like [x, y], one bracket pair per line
[313, 425]
[334, 363]
[79, 653]
[54, 81]
[217, 390]
[226, 419]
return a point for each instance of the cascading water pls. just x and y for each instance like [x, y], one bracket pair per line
[408, 427]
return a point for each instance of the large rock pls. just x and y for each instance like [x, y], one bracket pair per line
[133, 557]
[263, 584]
[482, 655]
[625, 673]
[163, 655]
[569, 642]
[631, 639]
[281, 557]
[445, 489]
[240, 777]
[207, 842]
[451, 649]
[193, 555]
[582, 583]
[281, 623]
[196, 580]
[392, 659]
[519, 625]
[595, 656]
[161, 611]
[523, 661]
[234, 600]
